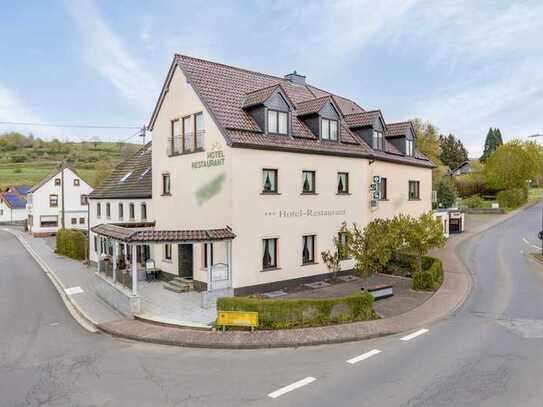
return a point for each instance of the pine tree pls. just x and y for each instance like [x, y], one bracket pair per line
[498, 137]
[490, 145]
[453, 152]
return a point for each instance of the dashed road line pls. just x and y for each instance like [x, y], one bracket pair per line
[290, 387]
[414, 335]
[364, 356]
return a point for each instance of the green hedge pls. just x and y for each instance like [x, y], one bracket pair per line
[512, 198]
[431, 276]
[71, 243]
[298, 313]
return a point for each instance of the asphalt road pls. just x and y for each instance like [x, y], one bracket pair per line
[489, 353]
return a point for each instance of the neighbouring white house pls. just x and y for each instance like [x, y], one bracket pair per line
[62, 194]
[13, 204]
[253, 174]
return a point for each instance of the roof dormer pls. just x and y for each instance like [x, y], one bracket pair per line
[271, 109]
[402, 136]
[322, 117]
[370, 126]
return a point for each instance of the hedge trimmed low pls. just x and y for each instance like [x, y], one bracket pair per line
[430, 277]
[71, 243]
[299, 313]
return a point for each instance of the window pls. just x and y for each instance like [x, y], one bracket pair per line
[53, 201]
[74, 221]
[166, 184]
[131, 211]
[199, 125]
[383, 189]
[121, 211]
[308, 251]
[76, 182]
[377, 140]
[143, 211]
[269, 254]
[98, 210]
[308, 182]
[187, 134]
[342, 182]
[277, 122]
[205, 253]
[176, 137]
[269, 179]
[48, 221]
[84, 200]
[57, 182]
[108, 210]
[329, 129]
[167, 251]
[342, 238]
[409, 149]
[95, 244]
[81, 221]
[414, 190]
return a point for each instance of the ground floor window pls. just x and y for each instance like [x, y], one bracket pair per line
[205, 254]
[308, 251]
[95, 244]
[414, 190]
[269, 256]
[383, 189]
[81, 221]
[167, 251]
[48, 221]
[74, 221]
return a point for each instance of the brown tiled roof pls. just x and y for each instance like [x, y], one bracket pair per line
[138, 183]
[362, 119]
[398, 129]
[135, 235]
[225, 90]
[311, 106]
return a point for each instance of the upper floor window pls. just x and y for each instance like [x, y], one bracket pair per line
[143, 211]
[131, 211]
[167, 251]
[269, 181]
[342, 182]
[277, 122]
[308, 182]
[57, 182]
[166, 184]
[81, 221]
[74, 221]
[308, 251]
[98, 209]
[76, 182]
[121, 211]
[199, 125]
[84, 200]
[378, 140]
[108, 210]
[269, 254]
[329, 129]
[53, 200]
[383, 189]
[409, 147]
[187, 134]
[414, 190]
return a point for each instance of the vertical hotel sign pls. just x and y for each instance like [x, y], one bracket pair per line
[375, 193]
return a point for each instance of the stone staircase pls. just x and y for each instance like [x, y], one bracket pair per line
[179, 285]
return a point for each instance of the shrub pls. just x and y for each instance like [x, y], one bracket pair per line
[297, 313]
[474, 201]
[512, 198]
[423, 280]
[71, 243]
[431, 276]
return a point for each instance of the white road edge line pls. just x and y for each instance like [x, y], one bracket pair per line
[290, 387]
[364, 356]
[414, 334]
[529, 244]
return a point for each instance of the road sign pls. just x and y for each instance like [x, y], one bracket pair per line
[376, 179]
[237, 318]
[373, 187]
[376, 195]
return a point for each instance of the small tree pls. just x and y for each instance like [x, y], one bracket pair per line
[446, 192]
[418, 235]
[372, 247]
[332, 258]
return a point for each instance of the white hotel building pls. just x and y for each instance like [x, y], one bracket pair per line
[253, 174]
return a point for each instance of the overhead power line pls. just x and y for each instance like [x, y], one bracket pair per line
[76, 126]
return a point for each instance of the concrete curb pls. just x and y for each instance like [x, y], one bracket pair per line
[75, 310]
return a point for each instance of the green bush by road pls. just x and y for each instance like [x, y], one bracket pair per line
[71, 243]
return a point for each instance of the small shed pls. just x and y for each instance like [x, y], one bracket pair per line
[452, 219]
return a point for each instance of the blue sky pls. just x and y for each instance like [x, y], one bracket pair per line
[463, 65]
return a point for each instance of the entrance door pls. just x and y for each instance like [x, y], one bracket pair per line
[184, 260]
[455, 225]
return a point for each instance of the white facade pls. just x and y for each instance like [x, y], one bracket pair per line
[223, 186]
[45, 203]
[9, 215]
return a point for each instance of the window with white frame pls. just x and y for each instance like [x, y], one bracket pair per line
[409, 148]
[187, 134]
[414, 190]
[342, 182]
[269, 180]
[199, 125]
[166, 188]
[383, 189]
[308, 182]
[308, 250]
[277, 122]
[378, 140]
[269, 254]
[329, 129]
[168, 251]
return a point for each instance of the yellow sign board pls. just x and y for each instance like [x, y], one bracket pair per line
[237, 318]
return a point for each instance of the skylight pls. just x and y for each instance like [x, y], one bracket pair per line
[123, 179]
[144, 173]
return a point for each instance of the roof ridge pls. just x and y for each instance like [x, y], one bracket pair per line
[365, 111]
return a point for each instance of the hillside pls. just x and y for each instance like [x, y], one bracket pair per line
[26, 160]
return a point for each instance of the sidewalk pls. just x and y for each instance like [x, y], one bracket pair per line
[70, 276]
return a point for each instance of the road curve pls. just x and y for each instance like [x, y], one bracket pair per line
[487, 353]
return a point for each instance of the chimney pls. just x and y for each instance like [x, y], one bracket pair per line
[296, 78]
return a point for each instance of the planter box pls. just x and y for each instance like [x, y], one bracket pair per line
[380, 291]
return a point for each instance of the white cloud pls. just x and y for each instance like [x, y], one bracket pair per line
[106, 52]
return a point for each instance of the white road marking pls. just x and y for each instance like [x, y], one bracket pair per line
[364, 356]
[290, 387]
[414, 335]
[73, 290]
[529, 244]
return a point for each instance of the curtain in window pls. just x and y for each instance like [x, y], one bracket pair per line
[342, 183]
[307, 252]
[269, 181]
[325, 129]
[283, 119]
[272, 121]
[187, 134]
[333, 130]
[307, 182]
[268, 258]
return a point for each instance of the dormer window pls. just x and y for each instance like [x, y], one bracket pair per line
[409, 148]
[329, 129]
[277, 122]
[377, 140]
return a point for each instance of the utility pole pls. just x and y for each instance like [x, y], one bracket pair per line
[143, 133]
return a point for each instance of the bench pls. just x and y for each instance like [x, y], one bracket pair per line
[380, 291]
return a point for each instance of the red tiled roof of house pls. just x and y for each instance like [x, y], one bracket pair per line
[398, 129]
[362, 119]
